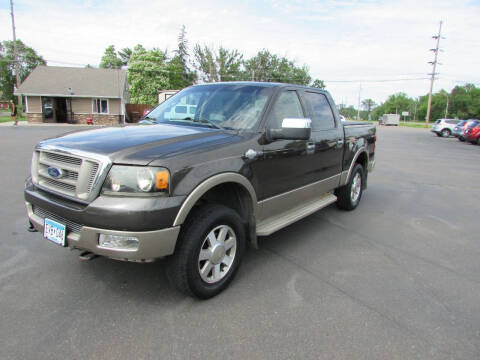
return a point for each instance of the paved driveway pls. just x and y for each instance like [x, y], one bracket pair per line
[398, 278]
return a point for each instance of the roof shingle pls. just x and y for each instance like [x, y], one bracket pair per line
[83, 82]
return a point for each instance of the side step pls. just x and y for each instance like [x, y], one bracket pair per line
[279, 221]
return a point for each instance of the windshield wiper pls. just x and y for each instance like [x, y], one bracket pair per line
[211, 123]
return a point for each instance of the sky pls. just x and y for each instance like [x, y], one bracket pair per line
[367, 49]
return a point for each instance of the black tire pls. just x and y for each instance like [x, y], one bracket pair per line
[344, 193]
[446, 132]
[183, 267]
[478, 141]
[461, 138]
[439, 135]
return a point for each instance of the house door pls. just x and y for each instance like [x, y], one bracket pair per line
[60, 110]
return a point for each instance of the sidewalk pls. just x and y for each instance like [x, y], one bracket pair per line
[26, 123]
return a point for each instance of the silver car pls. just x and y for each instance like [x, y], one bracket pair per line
[445, 127]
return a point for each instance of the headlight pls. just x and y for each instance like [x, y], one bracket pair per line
[138, 180]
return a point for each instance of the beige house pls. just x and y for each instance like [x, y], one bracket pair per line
[71, 95]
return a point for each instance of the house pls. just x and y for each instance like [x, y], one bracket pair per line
[57, 94]
[165, 94]
[3, 101]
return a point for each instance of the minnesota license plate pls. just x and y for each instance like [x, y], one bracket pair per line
[54, 231]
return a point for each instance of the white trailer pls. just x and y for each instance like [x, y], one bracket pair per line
[390, 119]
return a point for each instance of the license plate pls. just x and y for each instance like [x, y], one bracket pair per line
[54, 231]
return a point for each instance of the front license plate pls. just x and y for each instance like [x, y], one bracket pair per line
[54, 231]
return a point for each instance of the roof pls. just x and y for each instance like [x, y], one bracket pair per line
[74, 82]
[261, 83]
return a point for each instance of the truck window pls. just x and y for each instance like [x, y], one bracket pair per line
[319, 111]
[287, 105]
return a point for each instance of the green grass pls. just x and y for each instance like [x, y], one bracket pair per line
[8, 119]
[415, 125]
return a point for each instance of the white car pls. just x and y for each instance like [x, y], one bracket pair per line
[445, 127]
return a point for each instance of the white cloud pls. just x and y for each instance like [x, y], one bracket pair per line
[339, 40]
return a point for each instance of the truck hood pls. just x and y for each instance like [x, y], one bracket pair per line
[140, 145]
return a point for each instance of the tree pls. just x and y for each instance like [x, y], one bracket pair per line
[217, 65]
[124, 55]
[180, 75]
[110, 60]
[318, 84]
[368, 105]
[147, 75]
[395, 104]
[28, 59]
[266, 66]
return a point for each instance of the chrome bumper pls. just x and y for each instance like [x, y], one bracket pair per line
[152, 244]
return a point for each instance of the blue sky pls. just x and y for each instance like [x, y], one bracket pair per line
[342, 42]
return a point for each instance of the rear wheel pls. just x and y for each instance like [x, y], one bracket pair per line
[210, 250]
[349, 195]
[461, 138]
[446, 133]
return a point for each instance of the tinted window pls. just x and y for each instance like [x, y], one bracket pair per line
[319, 111]
[287, 105]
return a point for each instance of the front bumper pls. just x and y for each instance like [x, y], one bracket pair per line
[149, 220]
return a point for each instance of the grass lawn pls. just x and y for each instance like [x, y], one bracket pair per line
[415, 125]
[8, 119]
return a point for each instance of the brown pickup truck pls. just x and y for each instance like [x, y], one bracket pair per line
[208, 171]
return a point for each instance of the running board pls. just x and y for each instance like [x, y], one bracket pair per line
[270, 225]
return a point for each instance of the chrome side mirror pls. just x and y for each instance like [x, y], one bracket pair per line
[292, 129]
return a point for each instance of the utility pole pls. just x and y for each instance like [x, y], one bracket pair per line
[415, 113]
[434, 63]
[15, 59]
[358, 109]
[446, 107]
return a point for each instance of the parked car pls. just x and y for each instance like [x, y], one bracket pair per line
[472, 133]
[252, 159]
[458, 130]
[444, 127]
[464, 126]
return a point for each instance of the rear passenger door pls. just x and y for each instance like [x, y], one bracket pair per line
[327, 136]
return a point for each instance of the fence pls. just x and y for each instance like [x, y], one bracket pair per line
[135, 111]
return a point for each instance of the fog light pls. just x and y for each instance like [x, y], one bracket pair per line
[116, 242]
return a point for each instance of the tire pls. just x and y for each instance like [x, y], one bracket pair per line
[478, 141]
[438, 134]
[446, 132]
[348, 196]
[461, 138]
[199, 235]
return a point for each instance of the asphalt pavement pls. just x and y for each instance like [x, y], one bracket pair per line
[398, 278]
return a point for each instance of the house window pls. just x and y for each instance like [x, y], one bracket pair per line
[100, 106]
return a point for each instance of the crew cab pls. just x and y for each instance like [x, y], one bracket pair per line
[197, 187]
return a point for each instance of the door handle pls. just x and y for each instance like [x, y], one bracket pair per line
[310, 145]
[339, 142]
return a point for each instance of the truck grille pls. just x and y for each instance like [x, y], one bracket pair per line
[71, 226]
[77, 174]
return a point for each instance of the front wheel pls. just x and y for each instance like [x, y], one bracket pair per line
[209, 252]
[446, 133]
[349, 195]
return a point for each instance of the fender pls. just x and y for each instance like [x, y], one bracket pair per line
[208, 184]
[346, 174]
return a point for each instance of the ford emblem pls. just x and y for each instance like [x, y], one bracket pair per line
[55, 172]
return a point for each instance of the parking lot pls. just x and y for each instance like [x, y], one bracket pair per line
[398, 278]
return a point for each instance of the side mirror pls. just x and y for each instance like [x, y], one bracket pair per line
[292, 129]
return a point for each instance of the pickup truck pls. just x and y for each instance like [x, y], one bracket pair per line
[197, 187]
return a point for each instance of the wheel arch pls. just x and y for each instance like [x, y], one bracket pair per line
[360, 157]
[231, 189]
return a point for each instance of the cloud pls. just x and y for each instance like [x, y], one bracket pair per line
[339, 40]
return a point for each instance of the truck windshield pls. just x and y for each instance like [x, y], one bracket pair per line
[225, 106]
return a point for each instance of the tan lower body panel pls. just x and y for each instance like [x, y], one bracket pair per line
[279, 221]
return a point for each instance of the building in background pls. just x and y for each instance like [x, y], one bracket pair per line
[56, 94]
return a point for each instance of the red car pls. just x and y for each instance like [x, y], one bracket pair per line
[472, 134]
